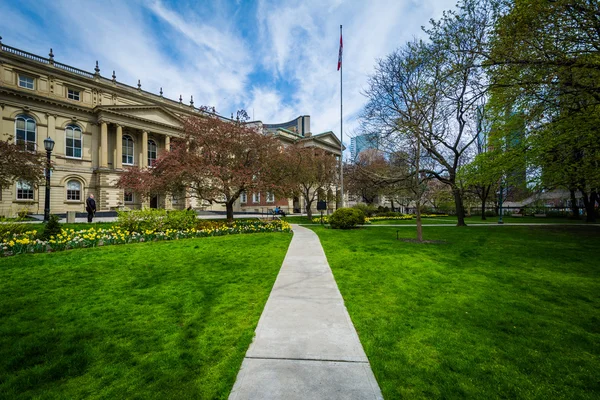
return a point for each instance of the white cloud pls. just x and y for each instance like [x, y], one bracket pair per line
[278, 61]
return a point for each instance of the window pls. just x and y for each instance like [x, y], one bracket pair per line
[256, 197]
[127, 150]
[26, 82]
[73, 94]
[25, 132]
[243, 197]
[24, 190]
[73, 190]
[151, 152]
[270, 197]
[73, 142]
[128, 197]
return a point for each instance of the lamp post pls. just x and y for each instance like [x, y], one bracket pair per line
[49, 146]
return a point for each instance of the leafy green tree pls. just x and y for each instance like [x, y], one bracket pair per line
[544, 64]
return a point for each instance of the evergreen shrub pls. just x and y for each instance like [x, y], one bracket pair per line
[346, 218]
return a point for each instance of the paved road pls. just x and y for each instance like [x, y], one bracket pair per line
[305, 345]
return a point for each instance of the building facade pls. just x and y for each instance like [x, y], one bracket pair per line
[101, 127]
[361, 143]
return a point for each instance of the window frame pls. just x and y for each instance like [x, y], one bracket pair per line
[270, 197]
[73, 94]
[124, 153]
[125, 200]
[74, 128]
[31, 189]
[244, 198]
[256, 198]
[151, 164]
[78, 192]
[26, 118]
[24, 77]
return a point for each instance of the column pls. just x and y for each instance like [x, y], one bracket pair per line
[103, 145]
[167, 143]
[119, 159]
[144, 160]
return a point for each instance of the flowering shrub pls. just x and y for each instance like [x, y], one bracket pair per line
[28, 242]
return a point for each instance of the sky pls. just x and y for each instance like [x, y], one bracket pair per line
[275, 59]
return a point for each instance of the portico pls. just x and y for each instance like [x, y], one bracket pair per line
[131, 136]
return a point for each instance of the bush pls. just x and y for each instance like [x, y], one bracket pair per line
[367, 210]
[180, 219]
[22, 214]
[52, 228]
[155, 220]
[11, 228]
[346, 218]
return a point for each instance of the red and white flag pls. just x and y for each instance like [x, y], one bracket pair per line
[340, 55]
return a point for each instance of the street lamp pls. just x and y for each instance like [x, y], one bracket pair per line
[49, 146]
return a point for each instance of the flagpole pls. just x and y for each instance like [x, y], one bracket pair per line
[341, 130]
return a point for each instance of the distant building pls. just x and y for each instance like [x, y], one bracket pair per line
[362, 143]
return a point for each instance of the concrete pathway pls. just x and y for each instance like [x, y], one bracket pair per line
[305, 345]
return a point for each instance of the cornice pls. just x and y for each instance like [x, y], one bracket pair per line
[43, 99]
[103, 118]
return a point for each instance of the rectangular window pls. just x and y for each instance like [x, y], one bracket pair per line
[26, 82]
[128, 197]
[270, 197]
[256, 197]
[243, 197]
[73, 191]
[24, 191]
[73, 94]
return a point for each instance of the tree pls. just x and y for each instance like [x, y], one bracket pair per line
[215, 160]
[544, 64]
[482, 177]
[363, 177]
[306, 171]
[430, 91]
[18, 163]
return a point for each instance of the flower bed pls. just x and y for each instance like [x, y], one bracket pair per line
[368, 220]
[28, 242]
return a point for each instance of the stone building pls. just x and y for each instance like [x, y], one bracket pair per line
[101, 127]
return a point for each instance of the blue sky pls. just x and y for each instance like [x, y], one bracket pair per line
[276, 59]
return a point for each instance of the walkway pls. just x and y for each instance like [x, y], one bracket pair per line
[305, 345]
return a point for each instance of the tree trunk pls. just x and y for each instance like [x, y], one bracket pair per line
[574, 206]
[483, 218]
[589, 203]
[392, 204]
[460, 210]
[229, 207]
[419, 224]
[309, 209]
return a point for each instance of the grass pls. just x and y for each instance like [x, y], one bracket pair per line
[509, 312]
[477, 220]
[143, 321]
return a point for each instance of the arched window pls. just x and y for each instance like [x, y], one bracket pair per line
[74, 190]
[151, 152]
[73, 141]
[127, 150]
[25, 132]
[24, 190]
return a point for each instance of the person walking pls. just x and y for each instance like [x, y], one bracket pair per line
[90, 207]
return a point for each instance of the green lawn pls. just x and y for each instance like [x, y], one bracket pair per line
[503, 312]
[164, 320]
[477, 220]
